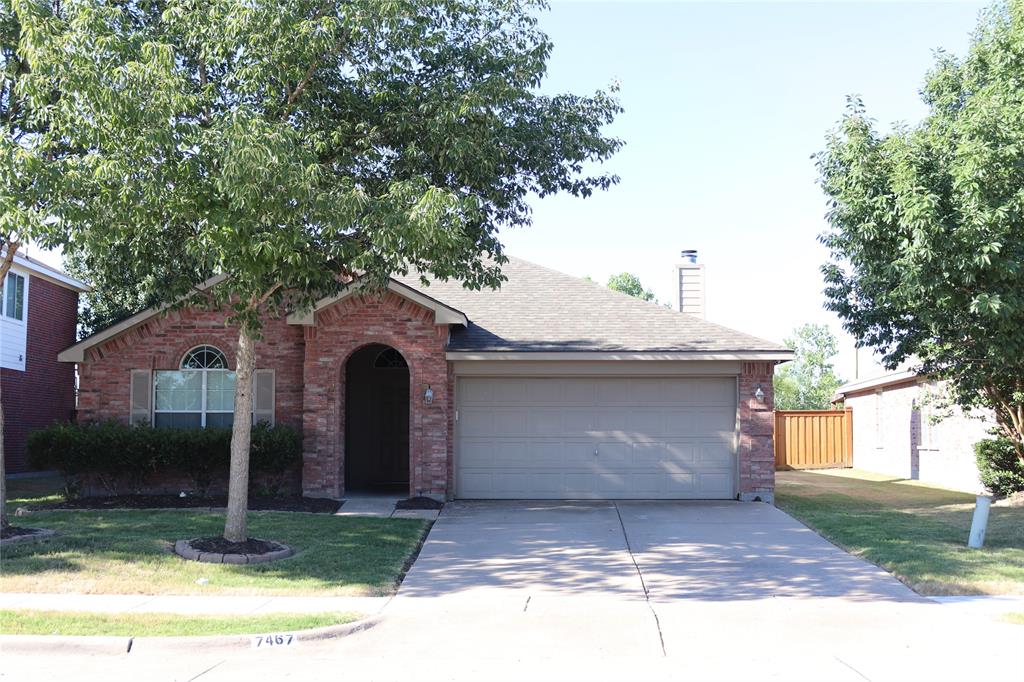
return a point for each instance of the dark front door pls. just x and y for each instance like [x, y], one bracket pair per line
[377, 420]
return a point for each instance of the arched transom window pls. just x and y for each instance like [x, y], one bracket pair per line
[200, 394]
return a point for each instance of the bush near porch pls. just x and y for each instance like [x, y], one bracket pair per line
[111, 458]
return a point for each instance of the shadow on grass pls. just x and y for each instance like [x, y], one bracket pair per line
[127, 552]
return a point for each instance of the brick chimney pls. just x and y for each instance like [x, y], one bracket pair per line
[690, 284]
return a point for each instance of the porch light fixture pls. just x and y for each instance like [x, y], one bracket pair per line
[759, 394]
[428, 396]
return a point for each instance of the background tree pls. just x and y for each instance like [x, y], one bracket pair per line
[628, 283]
[927, 226]
[809, 381]
[297, 146]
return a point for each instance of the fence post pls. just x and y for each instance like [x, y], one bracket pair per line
[848, 426]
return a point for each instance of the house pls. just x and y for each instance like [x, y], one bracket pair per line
[900, 428]
[551, 387]
[38, 318]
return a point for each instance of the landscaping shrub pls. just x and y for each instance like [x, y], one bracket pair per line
[119, 457]
[999, 467]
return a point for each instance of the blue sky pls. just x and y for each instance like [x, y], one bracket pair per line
[725, 104]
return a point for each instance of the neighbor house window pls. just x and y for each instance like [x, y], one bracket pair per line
[200, 394]
[12, 297]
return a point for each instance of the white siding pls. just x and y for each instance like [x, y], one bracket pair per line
[14, 333]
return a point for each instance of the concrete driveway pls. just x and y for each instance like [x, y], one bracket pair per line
[662, 550]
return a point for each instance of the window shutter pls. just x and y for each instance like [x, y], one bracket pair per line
[141, 395]
[263, 401]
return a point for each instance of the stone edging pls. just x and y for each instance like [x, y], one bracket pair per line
[40, 534]
[69, 644]
[183, 548]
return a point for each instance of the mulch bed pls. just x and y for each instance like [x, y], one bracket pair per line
[222, 546]
[16, 532]
[316, 505]
[419, 503]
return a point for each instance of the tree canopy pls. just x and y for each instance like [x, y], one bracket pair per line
[628, 283]
[927, 225]
[809, 381]
[296, 146]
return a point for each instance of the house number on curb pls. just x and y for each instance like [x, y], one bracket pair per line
[278, 639]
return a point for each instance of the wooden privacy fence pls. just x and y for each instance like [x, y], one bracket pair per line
[813, 439]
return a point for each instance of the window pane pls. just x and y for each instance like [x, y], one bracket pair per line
[220, 420]
[177, 420]
[14, 296]
[204, 357]
[220, 391]
[178, 390]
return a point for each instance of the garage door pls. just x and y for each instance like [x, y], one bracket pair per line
[596, 438]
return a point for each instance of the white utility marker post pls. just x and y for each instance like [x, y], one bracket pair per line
[980, 522]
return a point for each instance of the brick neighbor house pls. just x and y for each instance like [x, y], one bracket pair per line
[38, 318]
[898, 430]
[551, 387]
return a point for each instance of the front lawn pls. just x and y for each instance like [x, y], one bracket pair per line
[160, 624]
[917, 532]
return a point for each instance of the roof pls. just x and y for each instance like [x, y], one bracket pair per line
[874, 383]
[542, 310]
[48, 272]
[540, 313]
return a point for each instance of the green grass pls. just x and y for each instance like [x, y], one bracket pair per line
[917, 532]
[129, 552]
[159, 624]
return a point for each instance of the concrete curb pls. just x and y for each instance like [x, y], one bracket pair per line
[63, 644]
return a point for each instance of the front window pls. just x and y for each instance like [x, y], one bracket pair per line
[200, 394]
[12, 296]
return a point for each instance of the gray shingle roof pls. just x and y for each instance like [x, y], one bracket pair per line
[539, 309]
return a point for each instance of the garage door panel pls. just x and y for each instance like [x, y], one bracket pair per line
[653, 437]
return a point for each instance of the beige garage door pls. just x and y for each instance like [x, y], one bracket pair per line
[596, 438]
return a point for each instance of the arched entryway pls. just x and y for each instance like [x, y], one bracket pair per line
[377, 420]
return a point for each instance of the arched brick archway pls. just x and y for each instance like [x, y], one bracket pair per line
[376, 430]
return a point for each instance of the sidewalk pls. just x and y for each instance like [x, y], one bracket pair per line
[188, 605]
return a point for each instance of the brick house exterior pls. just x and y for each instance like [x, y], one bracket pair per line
[455, 343]
[36, 389]
[896, 432]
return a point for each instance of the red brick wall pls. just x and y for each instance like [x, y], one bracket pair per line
[341, 330]
[757, 431]
[45, 391]
[160, 343]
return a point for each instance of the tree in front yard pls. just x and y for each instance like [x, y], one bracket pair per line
[927, 226]
[809, 381]
[299, 146]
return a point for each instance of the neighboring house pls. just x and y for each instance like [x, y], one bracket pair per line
[551, 387]
[896, 431]
[38, 318]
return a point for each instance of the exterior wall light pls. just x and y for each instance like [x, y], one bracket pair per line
[428, 396]
[759, 394]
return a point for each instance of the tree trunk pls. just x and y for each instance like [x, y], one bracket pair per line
[235, 526]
